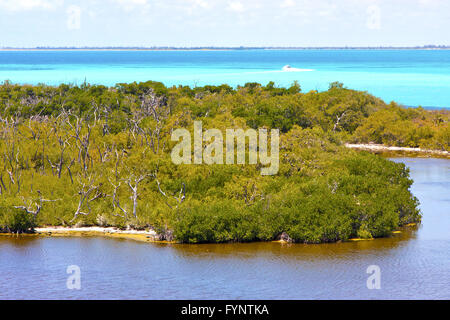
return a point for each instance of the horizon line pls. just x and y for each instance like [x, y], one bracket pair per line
[218, 47]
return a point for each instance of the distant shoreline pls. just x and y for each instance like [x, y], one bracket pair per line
[216, 48]
[109, 49]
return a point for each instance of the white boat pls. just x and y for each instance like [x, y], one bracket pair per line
[290, 69]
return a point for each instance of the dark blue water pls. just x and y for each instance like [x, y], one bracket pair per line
[410, 77]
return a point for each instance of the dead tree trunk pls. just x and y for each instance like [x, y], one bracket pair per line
[134, 191]
[28, 209]
[181, 196]
[85, 192]
[115, 200]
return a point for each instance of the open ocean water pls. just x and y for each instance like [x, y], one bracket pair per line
[409, 77]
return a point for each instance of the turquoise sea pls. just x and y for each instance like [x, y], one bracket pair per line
[410, 77]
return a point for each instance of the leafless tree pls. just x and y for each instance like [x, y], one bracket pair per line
[115, 200]
[153, 106]
[179, 199]
[68, 169]
[338, 120]
[134, 190]
[83, 143]
[28, 207]
[251, 195]
[85, 192]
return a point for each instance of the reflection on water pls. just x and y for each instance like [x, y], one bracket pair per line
[414, 263]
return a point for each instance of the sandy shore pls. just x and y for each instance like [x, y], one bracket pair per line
[139, 235]
[383, 148]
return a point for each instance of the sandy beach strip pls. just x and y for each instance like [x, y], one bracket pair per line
[139, 235]
[383, 148]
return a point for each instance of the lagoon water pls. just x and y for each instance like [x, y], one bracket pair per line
[410, 77]
[414, 264]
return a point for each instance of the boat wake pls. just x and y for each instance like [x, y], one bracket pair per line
[288, 68]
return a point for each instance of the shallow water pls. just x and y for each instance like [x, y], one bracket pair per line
[414, 264]
[410, 77]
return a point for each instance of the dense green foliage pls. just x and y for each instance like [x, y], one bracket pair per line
[354, 115]
[94, 155]
[14, 220]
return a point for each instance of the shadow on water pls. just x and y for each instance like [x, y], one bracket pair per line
[340, 250]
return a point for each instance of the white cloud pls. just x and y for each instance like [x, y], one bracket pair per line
[428, 2]
[199, 3]
[129, 5]
[288, 4]
[433, 4]
[373, 18]
[236, 6]
[132, 2]
[192, 6]
[22, 5]
[92, 14]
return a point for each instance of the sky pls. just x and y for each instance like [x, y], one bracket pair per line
[191, 23]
